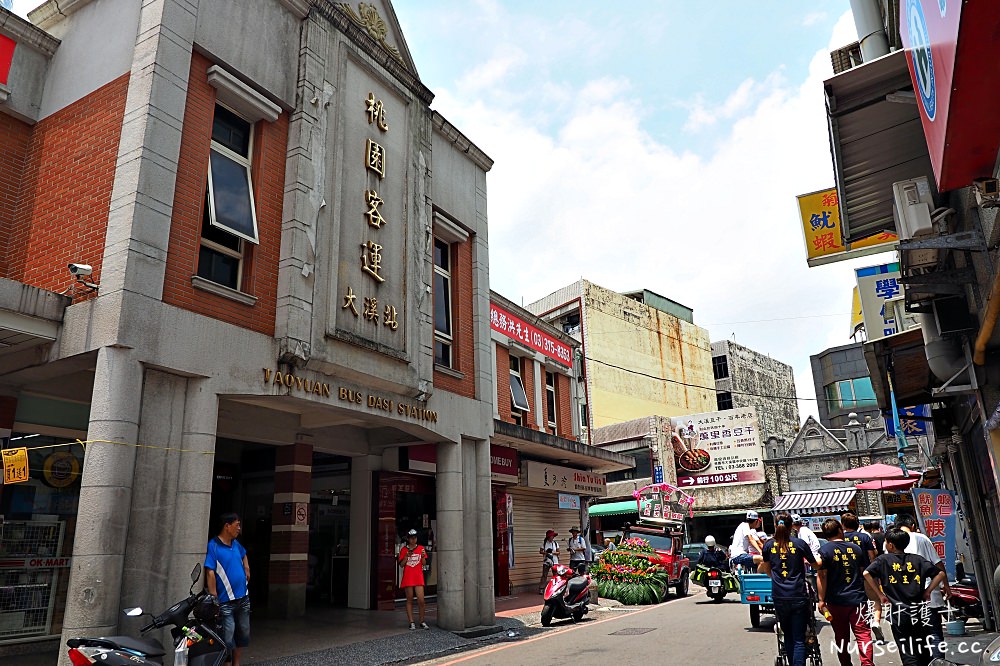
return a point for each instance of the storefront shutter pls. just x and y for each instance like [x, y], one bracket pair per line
[535, 512]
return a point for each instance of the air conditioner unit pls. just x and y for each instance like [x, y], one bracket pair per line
[912, 211]
[904, 320]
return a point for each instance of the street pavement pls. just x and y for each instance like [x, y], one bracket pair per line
[688, 630]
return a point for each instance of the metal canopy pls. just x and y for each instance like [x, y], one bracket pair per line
[876, 139]
[815, 501]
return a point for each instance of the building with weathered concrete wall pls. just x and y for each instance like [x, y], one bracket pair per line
[287, 290]
[642, 354]
[840, 377]
[746, 378]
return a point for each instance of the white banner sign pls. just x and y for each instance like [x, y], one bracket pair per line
[877, 286]
[718, 448]
[565, 479]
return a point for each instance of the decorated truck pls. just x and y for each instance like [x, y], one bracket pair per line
[662, 511]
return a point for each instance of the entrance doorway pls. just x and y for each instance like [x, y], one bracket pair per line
[405, 502]
[329, 530]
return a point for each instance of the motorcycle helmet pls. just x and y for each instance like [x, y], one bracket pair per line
[207, 610]
[710, 541]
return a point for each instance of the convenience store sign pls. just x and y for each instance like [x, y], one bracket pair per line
[35, 563]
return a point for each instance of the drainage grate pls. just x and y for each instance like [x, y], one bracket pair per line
[632, 631]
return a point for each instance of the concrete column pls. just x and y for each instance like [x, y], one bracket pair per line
[360, 564]
[539, 406]
[290, 531]
[450, 540]
[105, 498]
[470, 543]
[483, 536]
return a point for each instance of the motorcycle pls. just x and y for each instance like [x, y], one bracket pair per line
[965, 600]
[566, 594]
[717, 582]
[193, 623]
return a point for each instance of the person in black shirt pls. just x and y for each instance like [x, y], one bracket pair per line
[867, 544]
[874, 528]
[841, 589]
[712, 556]
[784, 558]
[899, 577]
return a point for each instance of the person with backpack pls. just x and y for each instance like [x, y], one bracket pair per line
[899, 578]
[550, 553]
[577, 548]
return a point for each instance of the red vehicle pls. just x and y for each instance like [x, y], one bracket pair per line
[667, 542]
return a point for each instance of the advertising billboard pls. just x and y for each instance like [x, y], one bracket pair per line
[718, 448]
[515, 327]
[820, 213]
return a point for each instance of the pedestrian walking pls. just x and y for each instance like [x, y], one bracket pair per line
[785, 558]
[577, 548]
[745, 542]
[867, 544]
[802, 531]
[874, 528]
[227, 576]
[924, 547]
[412, 558]
[899, 578]
[840, 587]
[550, 556]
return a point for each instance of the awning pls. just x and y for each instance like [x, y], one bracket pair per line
[815, 501]
[614, 508]
[876, 139]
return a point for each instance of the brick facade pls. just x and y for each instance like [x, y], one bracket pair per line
[564, 407]
[14, 138]
[503, 384]
[65, 190]
[463, 331]
[260, 263]
[528, 379]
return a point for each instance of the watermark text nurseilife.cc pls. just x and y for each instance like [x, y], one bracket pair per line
[962, 647]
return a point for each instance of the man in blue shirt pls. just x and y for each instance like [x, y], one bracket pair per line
[227, 574]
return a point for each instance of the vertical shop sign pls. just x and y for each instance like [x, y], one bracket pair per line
[936, 512]
[877, 285]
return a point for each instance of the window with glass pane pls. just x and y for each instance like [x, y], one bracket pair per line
[724, 399]
[518, 397]
[864, 394]
[832, 397]
[442, 304]
[720, 367]
[846, 394]
[550, 398]
[230, 191]
[220, 257]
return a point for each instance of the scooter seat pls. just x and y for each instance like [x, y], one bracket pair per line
[148, 647]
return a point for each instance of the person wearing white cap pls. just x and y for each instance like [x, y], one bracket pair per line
[745, 540]
[806, 534]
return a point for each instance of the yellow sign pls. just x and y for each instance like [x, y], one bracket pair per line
[820, 213]
[857, 318]
[15, 465]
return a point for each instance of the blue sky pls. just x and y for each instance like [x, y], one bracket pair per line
[654, 145]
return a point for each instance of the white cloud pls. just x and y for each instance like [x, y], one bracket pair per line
[598, 197]
[813, 18]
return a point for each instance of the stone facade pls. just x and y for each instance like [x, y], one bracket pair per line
[759, 381]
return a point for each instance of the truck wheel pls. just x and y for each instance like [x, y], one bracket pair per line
[681, 589]
[547, 611]
[754, 616]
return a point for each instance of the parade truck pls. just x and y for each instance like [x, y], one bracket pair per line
[661, 523]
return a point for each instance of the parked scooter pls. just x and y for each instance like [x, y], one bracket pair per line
[965, 600]
[193, 622]
[566, 595]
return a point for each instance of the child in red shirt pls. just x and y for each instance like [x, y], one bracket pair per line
[412, 558]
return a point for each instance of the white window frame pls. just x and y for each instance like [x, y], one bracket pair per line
[247, 163]
[515, 376]
[447, 339]
[229, 252]
[550, 389]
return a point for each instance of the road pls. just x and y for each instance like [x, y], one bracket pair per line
[688, 630]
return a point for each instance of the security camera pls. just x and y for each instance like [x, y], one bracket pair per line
[80, 270]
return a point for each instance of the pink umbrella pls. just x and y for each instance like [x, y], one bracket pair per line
[870, 473]
[892, 484]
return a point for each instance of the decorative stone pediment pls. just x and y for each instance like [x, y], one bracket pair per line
[813, 439]
[378, 19]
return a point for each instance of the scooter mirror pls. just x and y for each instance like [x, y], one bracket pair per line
[133, 612]
[196, 573]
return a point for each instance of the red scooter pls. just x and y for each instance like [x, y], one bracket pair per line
[965, 600]
[566, 595]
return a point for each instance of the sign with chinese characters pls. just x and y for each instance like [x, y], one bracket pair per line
[368, 292]
[563, 479]
[877, 285]
[655, 505]
[936, 511]
[515, 327]
[718, 448]
[15, 465]
[820, 212]
[567, 501]
[911, 427]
